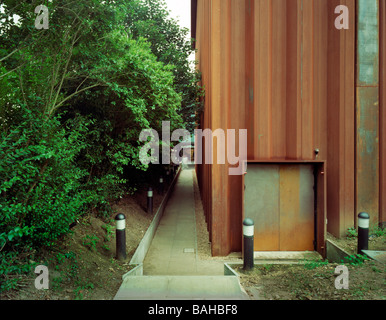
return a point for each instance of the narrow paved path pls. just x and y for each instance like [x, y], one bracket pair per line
[171, 268]
[174, 247]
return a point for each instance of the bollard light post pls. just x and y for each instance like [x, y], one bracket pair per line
[121, 236]
[363, 231]
[161, 185]
[248, 233]
[150, 200]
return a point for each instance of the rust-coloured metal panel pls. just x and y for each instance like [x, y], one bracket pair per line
[368, 43]
[307, 79]
[368, 152]
[297, 230]
[293, 78]
[262, 50]
[382, 109]
[281, 69]
[262, 205]
[280, 199]
[320, 78]
[279, 84]
[367, 110]
[340, 122]
[250, 94]
[348, 217]
[321, 208]
[220, 225]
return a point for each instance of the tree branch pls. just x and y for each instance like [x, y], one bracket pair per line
[6, 57]
[72, 95]
[22, 89]
[3, 75]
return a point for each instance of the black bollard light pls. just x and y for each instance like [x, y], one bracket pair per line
[363, 231]
[168, 176]
[161, 185]
[150, 201]
[248, 233]
[121, 236]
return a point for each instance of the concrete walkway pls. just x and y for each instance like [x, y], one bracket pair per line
[181, 288]
[174, 248]
[171, 268]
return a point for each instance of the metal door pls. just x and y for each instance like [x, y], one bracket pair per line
[279, 198]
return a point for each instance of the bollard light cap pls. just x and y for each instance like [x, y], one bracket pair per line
[363, 215]
[248, 228]
[120, 216]
[248, 222]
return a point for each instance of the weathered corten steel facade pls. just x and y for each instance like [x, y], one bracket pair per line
[283, 71]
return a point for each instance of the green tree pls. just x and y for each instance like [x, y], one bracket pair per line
[73, 100]
[170, 43]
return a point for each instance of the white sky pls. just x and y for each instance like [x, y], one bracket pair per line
[180, 9]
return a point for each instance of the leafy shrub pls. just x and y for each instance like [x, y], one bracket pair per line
[41, 186]
[12, 266]
[355, 259]
[90, 242]
[378, 232]
[73, 101]
[313, 264]
[352, 233]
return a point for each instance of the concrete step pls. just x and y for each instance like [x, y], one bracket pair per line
[379, 256]
[181, 288]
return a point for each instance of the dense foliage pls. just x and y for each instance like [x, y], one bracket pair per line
[149, 19]
[73, 101]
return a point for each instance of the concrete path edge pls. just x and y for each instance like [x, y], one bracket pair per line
[143, 247]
